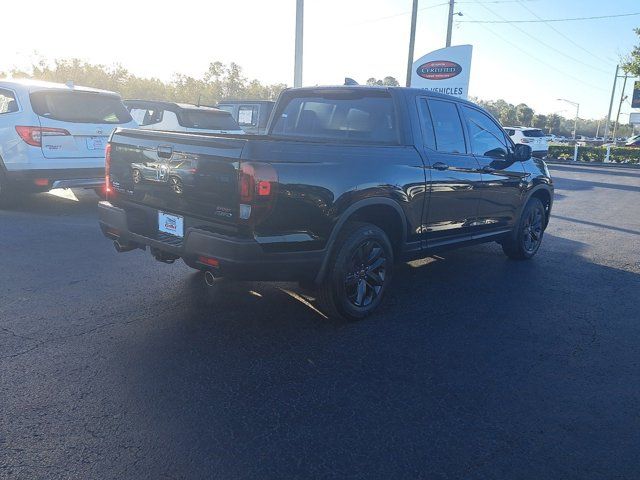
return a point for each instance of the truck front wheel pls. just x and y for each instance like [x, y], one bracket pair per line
[360, 271]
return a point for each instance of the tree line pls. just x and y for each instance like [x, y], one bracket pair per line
[227, 81]
[523, 115]
[220, 81]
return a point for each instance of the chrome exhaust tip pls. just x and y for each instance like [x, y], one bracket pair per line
[123, 247]
[209, 278]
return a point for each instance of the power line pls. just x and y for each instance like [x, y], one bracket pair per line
[566, 37]
[401, 14]
[545, 20]
[550, 47]
[533, 57]
[428, 7]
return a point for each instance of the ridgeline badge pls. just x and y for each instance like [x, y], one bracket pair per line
[439, 70]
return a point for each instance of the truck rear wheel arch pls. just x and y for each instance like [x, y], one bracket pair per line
[382, 212]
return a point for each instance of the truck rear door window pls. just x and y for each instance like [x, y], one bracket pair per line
[208, 120]
[79, 107]
[363, 117]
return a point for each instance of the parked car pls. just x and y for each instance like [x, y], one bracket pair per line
[534, 137]
[347, 181]
[251, 115]
[54, 135]
[633, 141]
[181, 117]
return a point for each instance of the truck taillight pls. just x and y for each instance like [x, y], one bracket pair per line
[33, 135]
[257, 188]
[107, 170]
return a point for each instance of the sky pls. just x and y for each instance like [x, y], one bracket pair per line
[532, 63]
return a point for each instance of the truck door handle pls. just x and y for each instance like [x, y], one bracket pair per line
[488, 169]
[165, 151]
[440, 166]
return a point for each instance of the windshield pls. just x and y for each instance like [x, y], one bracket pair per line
[79, 107]
[208, 120]
[339, 115]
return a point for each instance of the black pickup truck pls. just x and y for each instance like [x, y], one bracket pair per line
[347, 181]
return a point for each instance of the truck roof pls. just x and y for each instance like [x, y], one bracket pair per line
[32, 85]
[402, 90]
[236, 102]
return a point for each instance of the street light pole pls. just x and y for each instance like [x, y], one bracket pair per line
[297, 69]
[412, 41]
[450, 22]
[575, 121]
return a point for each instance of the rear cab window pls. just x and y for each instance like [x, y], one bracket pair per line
[365, 116]
[248, 115]
[534, 133]
[207, 119]
[147, 116]
[8, 102]
[79, 107]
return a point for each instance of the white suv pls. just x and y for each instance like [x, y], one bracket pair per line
[534, 137]
[181, 117]
[54, 135]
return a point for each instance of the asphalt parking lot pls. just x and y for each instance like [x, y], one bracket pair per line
[117, 366]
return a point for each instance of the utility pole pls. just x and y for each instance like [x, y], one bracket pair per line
[622, 97]
[412, 41]
[613, 93]
[450, 23]
[297, 69]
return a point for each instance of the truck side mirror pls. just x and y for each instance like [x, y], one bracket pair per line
[522, 152]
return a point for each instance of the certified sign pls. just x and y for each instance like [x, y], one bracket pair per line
[439, 70]
[444, 71]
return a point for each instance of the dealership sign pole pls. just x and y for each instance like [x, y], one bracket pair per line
[444, 71]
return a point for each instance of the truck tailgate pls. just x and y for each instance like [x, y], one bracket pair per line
[184, 174]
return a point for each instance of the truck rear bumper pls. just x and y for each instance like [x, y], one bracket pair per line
[238, 258]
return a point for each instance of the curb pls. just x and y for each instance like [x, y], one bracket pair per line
[634, 166]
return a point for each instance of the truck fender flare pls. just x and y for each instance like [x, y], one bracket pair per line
[344, 218]
[532, 192]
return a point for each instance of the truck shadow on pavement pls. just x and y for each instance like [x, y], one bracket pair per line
[55, 202]
[476, 364]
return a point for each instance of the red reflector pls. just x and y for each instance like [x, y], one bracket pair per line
[107, 170]
[264, 188]
[41, 182]
[212, 262]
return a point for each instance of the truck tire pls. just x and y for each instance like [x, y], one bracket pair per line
[360, 271]
[525, 239]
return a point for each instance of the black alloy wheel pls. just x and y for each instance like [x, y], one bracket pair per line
[359, 272]
[366, 274]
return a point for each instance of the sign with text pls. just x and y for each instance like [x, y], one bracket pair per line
[444, 71]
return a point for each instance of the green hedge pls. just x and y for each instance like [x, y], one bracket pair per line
[596, 154]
